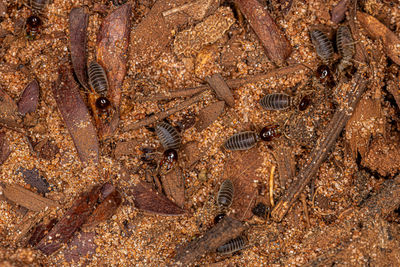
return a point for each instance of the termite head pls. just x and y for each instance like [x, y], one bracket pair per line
[268, 133]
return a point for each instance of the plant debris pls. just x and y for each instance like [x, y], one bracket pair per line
[29, 98]
[209, 114]
[33, 178]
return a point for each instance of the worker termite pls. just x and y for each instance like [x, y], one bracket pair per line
[225, 195]
[170, 157]
[97, 78]
[233, 245]
[276, 101]
[345, 46]
[168, 135]
[32, 26]
[322, 44]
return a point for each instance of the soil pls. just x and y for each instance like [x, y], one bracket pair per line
[332, 222]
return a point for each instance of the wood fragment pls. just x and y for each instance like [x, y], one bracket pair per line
[78, 22]
[209, 114]
[319, 153]
[220, 87]
[76, 116]
[339, 11]
[285, 164]
[234, 83]
[173, 184]
[394, 89]
[4, 148]
[29, 98]
[274, 41]
[26, 198]
[197, 10]
[271, 186]
[9, 112]
[391, 43]
[218, 235]
[159, 116]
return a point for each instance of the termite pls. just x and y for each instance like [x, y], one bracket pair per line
[276, 101]
[168, 135]
[225, 195]
[345, 45]
[233, 245]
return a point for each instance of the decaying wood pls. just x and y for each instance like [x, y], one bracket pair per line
[322, 148]
[209, 114]
[218, 235]
[339, 11]
[222, 90]
[76, 116]
[78, 22]
[26, 198]
[159, 116]
[344, 236]
[391, 43]
[274, 41]
[234, 83]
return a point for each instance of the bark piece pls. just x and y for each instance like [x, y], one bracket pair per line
[112, 48]
[222, 90]
[377, 30]
[78, 22]
[41, 230]
[70, 222]
[189, 42]
[76, 116]
[33, 178]
[286, 165]
[209, 114]
[29, 98]
[8, 112]
[81, 246]
[339, 11]
[4, 148]
[173, 184]
[276, 45]
[26, 198]
[218, 235]
[241, 170]
[125, 148]
[148, 200]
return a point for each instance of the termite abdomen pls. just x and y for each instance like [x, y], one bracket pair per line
[38, 5]
[345, 45]
[233, 245]
[168, 135]
[225, 195]
[322, 44]
[276, 101]
[241, 141]
[97, 78]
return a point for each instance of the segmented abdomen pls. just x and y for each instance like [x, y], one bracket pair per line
[168, 135]
[225, 195]
[276, 101]
[38, 5]
[322, 44]
[345, 42]
[97, 78]
[241, 141]
[233, 245]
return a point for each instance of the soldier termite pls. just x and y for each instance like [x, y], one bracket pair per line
[345, 46]
[322, 44]
[233, 245]
[168, 135]
[247, 140]
[276, 101]
[225, 195]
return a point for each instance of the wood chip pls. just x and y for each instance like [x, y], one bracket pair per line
[173, 184]
[286, 164]
[209, 114]
[148, 200]
[8, 112]
[125, 148]
[339, 11]
[4, 148]
[29, 98]
[377, 30]
[26, 198]
[222, 90]
[191, 153]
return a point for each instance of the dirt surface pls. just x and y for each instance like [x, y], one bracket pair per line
[162, 54]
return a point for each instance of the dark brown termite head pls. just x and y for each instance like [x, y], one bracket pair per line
[171, 155]
[102, 103]
[170, 158]
[268, 133]
[324, 75]
[219, 218]
[305, 102]
[32, 26]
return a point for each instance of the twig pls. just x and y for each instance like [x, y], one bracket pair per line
[162, 115]
[222, 232]
[271, 186]
[234, 83]
[319, 153]
[305, 208]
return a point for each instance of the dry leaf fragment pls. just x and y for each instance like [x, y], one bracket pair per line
[191, 153]
[76, 116]
[220, 87]
[125, 148]
[46, 149]
[376, 29]
[26, 198]
[70, 222]
[241, 170]
[8, 112]
[78, 22]
[148, 200]
[276, 45]
[174, 185]
[209, 114]
[81, 246]
[29, 98]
